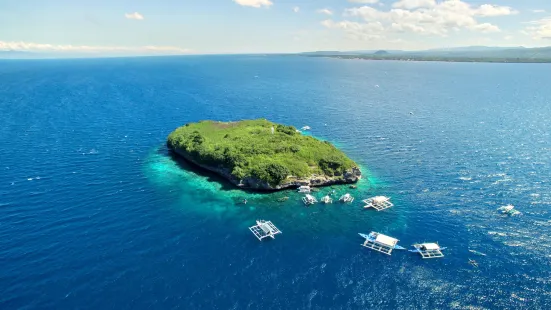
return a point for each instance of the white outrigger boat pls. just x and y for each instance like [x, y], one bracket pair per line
[509, 210]
[305, 189]
[327, 199]
[305, 128]
[381, 243]
[264, 229]
[309, 200]
[346, 198]
[378, 203]
[428, 250]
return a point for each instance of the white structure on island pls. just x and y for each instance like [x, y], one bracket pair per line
[264, 229]
[381, 243]
[309, 200]
[346, 198]
[428, 250]
[378, 203]
[305, 189]
[327, 199]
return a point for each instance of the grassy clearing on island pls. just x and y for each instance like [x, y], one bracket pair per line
[249, 149]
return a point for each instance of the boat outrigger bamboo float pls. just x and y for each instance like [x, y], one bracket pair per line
[378, 203]
[264, 229]
[428, 250]
[381, 243]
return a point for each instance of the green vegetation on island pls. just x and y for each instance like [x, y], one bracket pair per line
[259, 154]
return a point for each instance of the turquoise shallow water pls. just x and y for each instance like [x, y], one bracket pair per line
[94, 212]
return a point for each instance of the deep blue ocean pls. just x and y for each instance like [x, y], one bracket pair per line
[96, 214]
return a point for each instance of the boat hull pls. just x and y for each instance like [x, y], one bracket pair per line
[417, 250]
[396, 247]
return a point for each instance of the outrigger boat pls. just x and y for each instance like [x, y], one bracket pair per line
[309, 200]
[381, 243]
[473, 263]
[378, 203]
[305, 128]
[264, 229]
[428, 250]
[327, 199]
[347, 198]
[509, 210]
[305, 189]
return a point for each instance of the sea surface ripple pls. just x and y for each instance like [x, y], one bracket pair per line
[96, 214]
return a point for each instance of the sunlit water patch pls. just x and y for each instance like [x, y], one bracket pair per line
[206, 193]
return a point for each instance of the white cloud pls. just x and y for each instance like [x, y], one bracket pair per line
[507, 38]
[487, 10]
[407, 28]
[367, 13]
[41, 47]
[135, 15]
[538, 11]
[254, 3]
[364, 1]
[414, 4]
[296, 9]
[325, 11]
[486, 28]
[426, 17]
[359, 31]
[539, 29]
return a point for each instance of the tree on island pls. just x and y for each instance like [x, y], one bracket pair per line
[259, 154]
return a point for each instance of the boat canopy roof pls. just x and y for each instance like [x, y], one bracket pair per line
[386, 240]
[431, 246]
[308, 196]
[266, 228]
[380, 199]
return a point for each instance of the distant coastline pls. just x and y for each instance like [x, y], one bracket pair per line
[458, 54]
[434, 58]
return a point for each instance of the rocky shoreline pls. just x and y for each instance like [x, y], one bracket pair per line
[351, 176]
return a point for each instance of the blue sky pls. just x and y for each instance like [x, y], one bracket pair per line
[253, 26]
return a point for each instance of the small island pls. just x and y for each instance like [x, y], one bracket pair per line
[261, 155]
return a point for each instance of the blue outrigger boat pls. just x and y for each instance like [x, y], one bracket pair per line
[380, 243]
